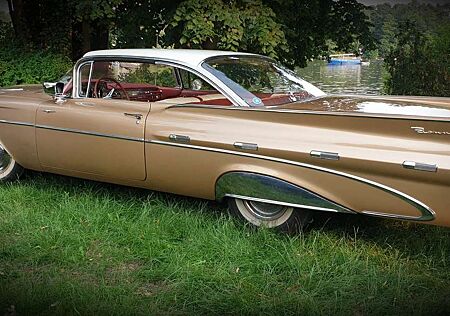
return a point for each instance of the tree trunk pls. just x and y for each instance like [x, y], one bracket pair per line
[100, 35]
[85, 36]
[77, 49]
[16, 12]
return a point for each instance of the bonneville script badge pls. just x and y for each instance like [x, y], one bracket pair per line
[421, 130]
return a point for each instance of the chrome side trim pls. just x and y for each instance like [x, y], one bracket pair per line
[419, 166]
[309, 207]
[394, 216]
[263, 188]
[324, 155]
[77, 131]
[16, 123]
[11, 89]
[426, 213]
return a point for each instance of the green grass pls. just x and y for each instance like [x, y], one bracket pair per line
[74, 247]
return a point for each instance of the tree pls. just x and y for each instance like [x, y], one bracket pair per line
[71, 27]
[386, 18]
[419, 64]
[246, 25]
[140, 23]
[313, 26]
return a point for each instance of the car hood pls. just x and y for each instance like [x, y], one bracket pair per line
[437, 108]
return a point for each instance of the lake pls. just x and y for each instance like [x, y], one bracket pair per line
[348, 79]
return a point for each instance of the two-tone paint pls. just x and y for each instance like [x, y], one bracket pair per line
[334, 153]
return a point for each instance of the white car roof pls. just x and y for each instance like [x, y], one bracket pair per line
[192, 57]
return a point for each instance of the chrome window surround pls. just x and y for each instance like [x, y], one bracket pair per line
[235, 100]
[77, 79]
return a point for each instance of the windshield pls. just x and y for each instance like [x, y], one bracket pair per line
[260, 81]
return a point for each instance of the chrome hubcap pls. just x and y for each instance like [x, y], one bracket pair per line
[5, 159]
[265, 211]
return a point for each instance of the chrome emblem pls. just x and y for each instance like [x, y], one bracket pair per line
[421, 130]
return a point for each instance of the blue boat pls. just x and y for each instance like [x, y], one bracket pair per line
[344, 59]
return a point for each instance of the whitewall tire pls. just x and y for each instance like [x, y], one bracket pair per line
[9, 168]
[259, 214]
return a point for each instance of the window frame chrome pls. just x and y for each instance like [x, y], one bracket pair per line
[235, 100]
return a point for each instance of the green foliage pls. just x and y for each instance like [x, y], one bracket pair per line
[419, 64]
[314, 28]
[93, 9]
[21, 67]
[141, 23]
[6, 32]
[229, 25]
[386, 19]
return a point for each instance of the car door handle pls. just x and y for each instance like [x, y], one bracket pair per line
[48, 111]
[324, 155]
[246, 146]
[137, 116]
[180, 138]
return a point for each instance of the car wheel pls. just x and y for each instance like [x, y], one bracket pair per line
[280, 217]
[9, 168]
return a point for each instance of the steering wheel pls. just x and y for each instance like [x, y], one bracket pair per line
[105, 79]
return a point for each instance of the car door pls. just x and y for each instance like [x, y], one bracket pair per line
[93, 135]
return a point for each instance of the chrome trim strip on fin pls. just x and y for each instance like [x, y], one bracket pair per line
[394, 216]
[309, 207]
[268, 189]
[426, 213]
[419, 166]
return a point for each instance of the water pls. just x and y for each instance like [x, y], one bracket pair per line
[345, 79]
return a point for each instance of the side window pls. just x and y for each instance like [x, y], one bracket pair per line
[145, 82]
[157, 75]
[198, 91]
[193, 82]
[85, 80]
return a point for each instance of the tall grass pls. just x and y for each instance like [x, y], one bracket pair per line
[74, 247]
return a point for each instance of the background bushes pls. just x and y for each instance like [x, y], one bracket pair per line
[420, 63]
[19, 67]
[19, 64]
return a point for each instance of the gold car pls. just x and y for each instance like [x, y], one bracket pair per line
[236, 127]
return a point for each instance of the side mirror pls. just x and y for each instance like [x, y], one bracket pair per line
[55, 89]
[49, 88]
[59, 88]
